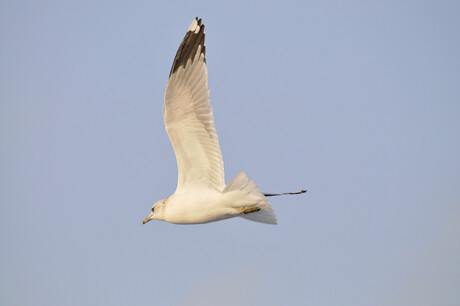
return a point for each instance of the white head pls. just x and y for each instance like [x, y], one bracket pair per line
[158, 210]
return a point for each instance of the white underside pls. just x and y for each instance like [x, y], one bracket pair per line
[199, 206]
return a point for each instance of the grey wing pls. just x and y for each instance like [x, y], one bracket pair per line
[189, 118]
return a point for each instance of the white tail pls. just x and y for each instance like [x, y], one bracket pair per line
[254, 199]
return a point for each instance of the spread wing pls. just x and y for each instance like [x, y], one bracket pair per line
[188, 116]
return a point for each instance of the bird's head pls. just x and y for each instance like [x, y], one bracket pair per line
[157, 211]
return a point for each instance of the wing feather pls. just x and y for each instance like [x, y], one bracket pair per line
[189, 119]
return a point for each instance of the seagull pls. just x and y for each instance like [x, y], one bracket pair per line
[201, 195]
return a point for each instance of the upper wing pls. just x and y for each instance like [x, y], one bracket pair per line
[188, 116]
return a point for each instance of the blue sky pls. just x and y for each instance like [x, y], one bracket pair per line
[358, 102]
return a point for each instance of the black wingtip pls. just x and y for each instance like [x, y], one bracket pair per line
[193, 39]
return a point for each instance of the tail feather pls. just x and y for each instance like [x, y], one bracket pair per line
[252, 198]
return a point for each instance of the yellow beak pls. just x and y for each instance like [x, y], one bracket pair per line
[146, 220]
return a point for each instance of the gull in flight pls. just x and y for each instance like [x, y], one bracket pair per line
[201, 195]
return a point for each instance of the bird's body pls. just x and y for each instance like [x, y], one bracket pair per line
[202, 205]
[201, 195]
[198, 205]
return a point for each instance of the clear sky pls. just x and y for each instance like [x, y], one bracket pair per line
[356, 101]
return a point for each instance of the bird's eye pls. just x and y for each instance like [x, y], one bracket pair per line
[153, 208]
